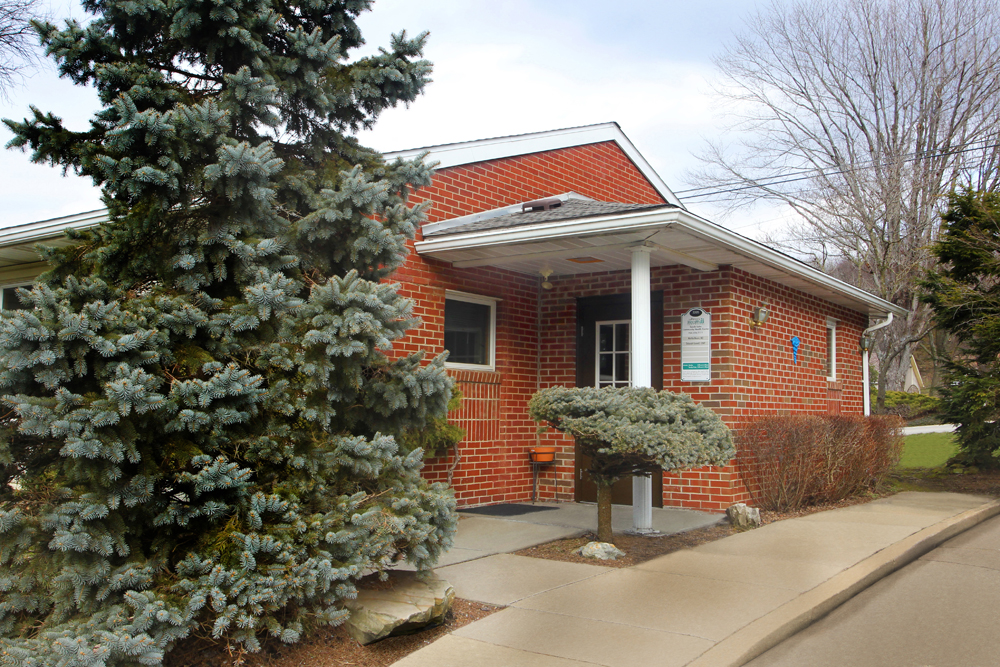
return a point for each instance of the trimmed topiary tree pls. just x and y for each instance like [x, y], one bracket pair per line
[200, 402]
[633, 431]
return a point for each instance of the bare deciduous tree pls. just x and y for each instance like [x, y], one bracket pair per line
[860, 115]
[18, 40]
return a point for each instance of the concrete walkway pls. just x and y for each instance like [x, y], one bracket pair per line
[720, 604]
[930, 428]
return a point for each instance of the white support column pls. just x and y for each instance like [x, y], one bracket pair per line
[642, 360]
[866, 389]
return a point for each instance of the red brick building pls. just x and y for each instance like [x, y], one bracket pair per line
[551, 285]
[561, 258]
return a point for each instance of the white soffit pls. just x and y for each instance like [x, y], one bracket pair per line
[17, 244]
[467, 152]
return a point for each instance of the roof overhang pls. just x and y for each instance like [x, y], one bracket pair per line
[17, 244]
[674, 236]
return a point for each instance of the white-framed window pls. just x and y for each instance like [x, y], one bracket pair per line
[831, 348]
[8, 296]
[613, 364]
[470, 324]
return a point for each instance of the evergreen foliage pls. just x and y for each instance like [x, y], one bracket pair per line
[633, 431]
[964, 293]
[200, 407]
[438, 435]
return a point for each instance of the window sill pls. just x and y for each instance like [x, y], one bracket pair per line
[470, 367]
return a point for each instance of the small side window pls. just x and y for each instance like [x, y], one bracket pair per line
[469, 330]
[831, 349]
[9, 299]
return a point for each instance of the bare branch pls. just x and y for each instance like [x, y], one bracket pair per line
[18, 40]
[861, 115]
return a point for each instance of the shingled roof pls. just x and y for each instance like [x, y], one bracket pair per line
[571, 209]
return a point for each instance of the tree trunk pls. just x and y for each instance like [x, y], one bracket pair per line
[604, 533]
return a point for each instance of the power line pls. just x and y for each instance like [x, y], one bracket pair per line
[712, 190]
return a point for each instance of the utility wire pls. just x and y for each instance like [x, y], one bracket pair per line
[712, 190]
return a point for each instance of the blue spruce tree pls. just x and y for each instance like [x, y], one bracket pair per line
[199, 403]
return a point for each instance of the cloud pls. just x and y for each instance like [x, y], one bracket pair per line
[499, 68]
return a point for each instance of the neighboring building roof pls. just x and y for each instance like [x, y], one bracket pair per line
[467, 152]
[17, 244]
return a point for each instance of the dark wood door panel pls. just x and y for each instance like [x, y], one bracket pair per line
[590, 311]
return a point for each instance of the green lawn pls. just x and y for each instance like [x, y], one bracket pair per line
[928, 450]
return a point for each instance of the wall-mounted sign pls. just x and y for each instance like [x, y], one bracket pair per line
[696, 346]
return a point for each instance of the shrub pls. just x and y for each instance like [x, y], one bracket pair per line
[201, 397]
[632, 431]
[797, 460]
[910, 406]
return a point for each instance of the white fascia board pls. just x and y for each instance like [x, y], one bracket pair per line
[481, 150]
[605, 224]
[632, 222]
[760, 252]
[44, 230]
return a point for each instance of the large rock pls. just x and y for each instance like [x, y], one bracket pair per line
[405, 604]
[743, 517]
[600, 551]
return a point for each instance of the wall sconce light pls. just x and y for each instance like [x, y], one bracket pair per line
[545, 277]
[866, 343]
[758, 316]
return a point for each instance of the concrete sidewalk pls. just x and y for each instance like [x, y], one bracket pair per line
[720, 604]
[931, 428]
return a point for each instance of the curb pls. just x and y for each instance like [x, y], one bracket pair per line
[771, 629]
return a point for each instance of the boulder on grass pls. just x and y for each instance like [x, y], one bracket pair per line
[600, 551]
[743, 517]
[402, 605]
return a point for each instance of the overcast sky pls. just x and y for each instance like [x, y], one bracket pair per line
[500, 68]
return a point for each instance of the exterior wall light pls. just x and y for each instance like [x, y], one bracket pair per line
[758, 316]
[545, 277]
[866, 343]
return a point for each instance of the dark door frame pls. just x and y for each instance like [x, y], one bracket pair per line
[589, 311]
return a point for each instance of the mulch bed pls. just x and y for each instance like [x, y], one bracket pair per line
[329, 647]
[982, 483]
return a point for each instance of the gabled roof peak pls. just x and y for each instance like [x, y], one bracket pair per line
[480, 150]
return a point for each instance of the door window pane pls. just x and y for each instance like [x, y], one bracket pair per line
[606, 338]
[622, 369]
[622, 337]
[606, 372]
[613, 358]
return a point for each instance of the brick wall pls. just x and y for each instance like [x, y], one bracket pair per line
[752, 373]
